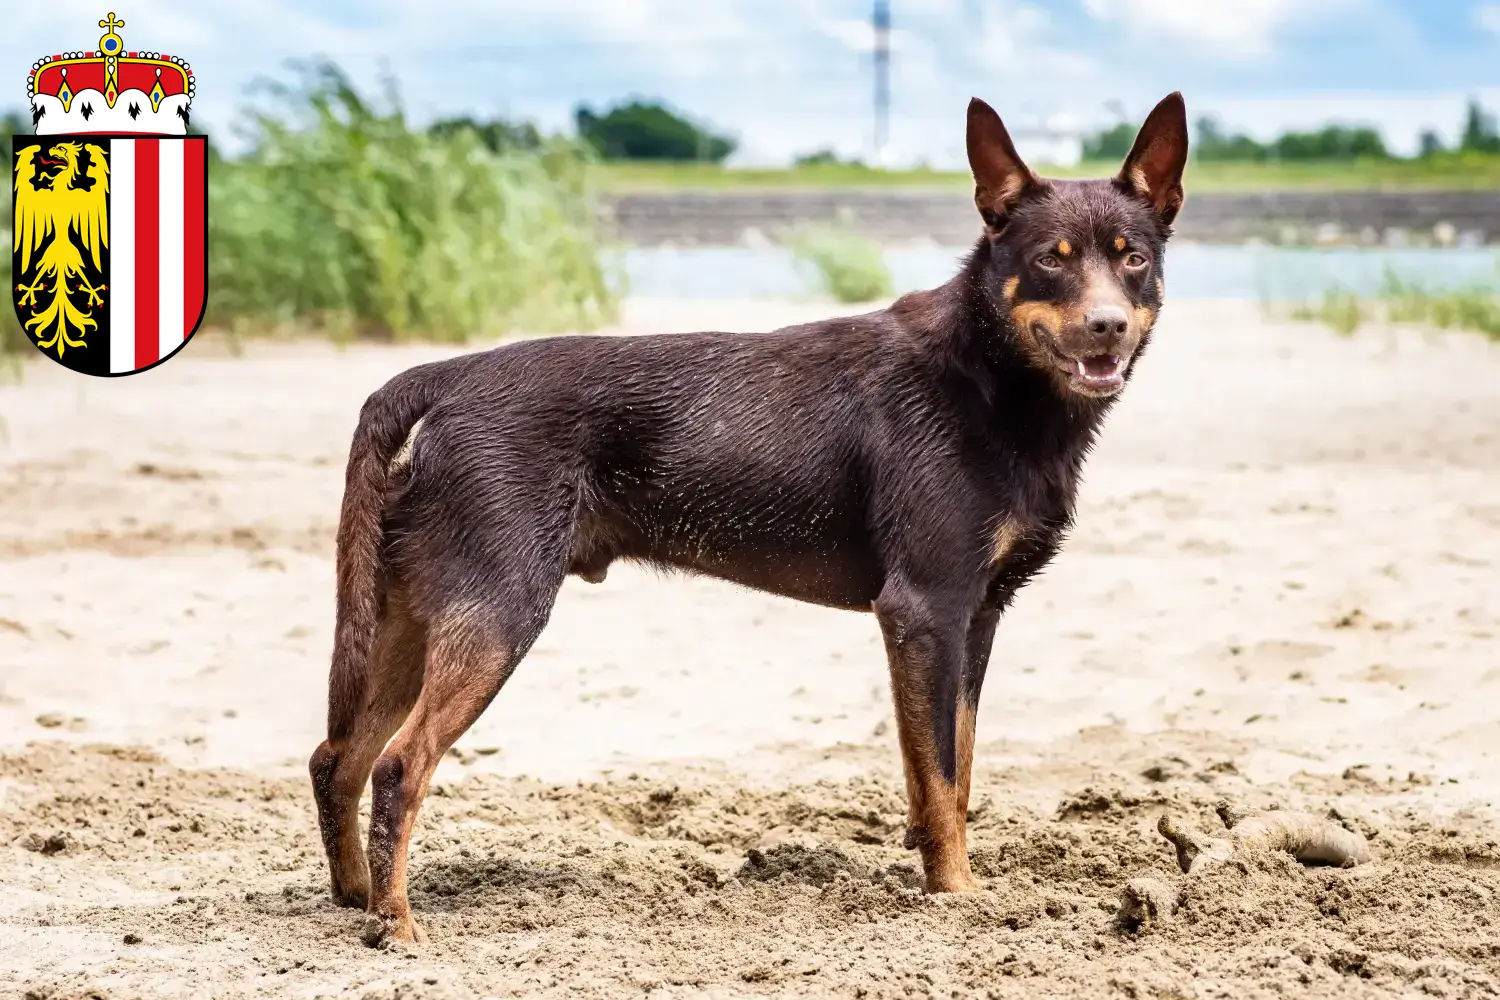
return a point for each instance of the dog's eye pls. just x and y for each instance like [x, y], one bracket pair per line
[1048, 262]
[1135, 260]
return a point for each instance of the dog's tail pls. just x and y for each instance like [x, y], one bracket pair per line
[385, 421]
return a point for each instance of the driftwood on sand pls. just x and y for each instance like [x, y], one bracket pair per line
[1308, 838]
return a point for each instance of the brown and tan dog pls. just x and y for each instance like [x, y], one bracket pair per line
[920, 462]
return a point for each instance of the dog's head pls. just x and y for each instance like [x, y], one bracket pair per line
[1075, 267]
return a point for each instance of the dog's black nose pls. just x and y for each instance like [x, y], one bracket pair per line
[1106, 321]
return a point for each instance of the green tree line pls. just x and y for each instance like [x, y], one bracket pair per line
[1212, 142]
[633, 130]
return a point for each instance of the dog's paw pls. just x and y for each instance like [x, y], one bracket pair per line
[383, 932]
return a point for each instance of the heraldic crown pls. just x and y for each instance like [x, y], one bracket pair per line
[111, 90]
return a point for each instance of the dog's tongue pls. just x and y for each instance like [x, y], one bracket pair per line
[1098, 366]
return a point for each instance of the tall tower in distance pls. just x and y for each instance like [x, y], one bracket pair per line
[882, 24]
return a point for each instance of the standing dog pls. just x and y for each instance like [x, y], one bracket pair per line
[920, 462]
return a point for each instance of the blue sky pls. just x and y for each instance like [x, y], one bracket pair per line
[788, 76]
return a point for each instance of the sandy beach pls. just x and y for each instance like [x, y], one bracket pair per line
[1280, 593]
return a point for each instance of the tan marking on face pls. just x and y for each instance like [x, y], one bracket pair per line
[1119, 243]
[1064, 247]
[1010, 286]
[1046, 314]
[1145, 316]
[1052, 318]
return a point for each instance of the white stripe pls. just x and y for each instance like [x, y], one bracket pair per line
[122, 255]
[173, 243]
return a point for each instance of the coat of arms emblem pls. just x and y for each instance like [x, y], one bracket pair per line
[109, 256]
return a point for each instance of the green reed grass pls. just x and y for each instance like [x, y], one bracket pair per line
[1475, 308]
[348, 219]
[848, 266]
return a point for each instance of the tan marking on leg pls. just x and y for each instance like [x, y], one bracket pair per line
[934, 824]
[964, 770]
[1010, 286]
[462, 677]
[341, 772]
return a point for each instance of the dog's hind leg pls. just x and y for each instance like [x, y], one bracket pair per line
[340, 771]
[925, 644]
[471, 652]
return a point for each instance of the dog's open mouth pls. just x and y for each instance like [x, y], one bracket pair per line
[1099, 371]
[1091, 374]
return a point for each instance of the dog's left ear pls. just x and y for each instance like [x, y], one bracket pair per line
[1153, 170]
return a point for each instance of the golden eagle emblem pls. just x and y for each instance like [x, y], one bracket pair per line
[61, 232]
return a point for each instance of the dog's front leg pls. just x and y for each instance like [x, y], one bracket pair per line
[981, 638]
[925, 639]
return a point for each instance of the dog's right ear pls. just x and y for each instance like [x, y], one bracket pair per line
[1000, 178]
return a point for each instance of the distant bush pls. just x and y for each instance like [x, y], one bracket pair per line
[826, 158]
[849, 267]
[649, 131]
[1111, 144]
[498, 136]
[1480, 133]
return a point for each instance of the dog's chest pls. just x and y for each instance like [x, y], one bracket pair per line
[1031, 517]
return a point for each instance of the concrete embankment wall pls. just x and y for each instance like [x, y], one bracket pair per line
[1369, 217]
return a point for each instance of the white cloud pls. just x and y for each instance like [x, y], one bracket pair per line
[1236, 28]
[1487, 16]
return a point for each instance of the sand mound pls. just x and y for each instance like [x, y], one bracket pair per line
[213, 881]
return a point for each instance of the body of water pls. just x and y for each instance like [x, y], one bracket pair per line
[1196, 271]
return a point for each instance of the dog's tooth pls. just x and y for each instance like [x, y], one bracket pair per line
[1082, 368]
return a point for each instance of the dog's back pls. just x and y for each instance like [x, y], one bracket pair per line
[751, 457]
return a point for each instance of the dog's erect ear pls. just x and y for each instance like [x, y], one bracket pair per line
[1153, 170]
[1000, 178]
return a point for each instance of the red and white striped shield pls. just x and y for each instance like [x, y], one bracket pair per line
[109, 258]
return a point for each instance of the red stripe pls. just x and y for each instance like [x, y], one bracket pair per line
[193, 258]
[147, 251]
